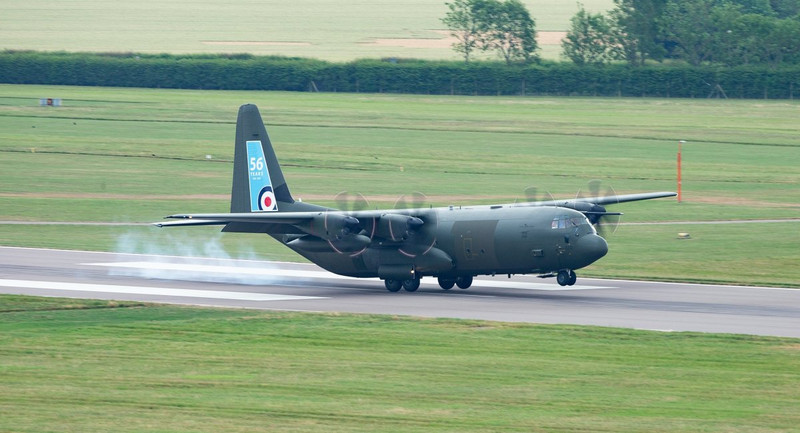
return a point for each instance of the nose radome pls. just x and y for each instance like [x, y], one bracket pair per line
[594, 247]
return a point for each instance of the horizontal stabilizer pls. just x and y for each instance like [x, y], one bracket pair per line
[190, 222]
[264, 218]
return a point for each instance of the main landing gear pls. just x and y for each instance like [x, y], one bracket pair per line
[566, 278]
[462, 282]
[396, 285]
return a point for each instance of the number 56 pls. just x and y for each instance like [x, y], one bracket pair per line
[256, 164]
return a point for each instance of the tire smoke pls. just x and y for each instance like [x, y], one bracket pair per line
[181, 256]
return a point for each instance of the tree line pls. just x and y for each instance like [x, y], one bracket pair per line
[248, 72]
[697, 32]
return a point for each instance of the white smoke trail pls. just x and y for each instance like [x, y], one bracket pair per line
[177, 255]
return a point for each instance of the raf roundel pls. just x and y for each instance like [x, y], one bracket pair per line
[266, 199]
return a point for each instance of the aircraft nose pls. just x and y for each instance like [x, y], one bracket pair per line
[594, 247]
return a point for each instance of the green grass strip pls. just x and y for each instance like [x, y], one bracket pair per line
[69, 366]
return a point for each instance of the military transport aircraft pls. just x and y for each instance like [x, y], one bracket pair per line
[400, 246]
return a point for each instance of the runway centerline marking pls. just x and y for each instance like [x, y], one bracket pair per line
[143, 290]
[273, 275]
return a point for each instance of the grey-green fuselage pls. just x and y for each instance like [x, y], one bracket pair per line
[480, 240]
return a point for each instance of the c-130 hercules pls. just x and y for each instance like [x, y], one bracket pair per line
[400, 246]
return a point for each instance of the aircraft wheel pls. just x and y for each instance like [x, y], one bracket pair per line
[446, 283]
[563, 278]
[464, 282]
[411, 285]
[572, 278]
[393, 285]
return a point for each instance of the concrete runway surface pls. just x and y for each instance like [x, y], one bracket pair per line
[303, 287]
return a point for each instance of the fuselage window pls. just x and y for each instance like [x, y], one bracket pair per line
[565, 222]
[560, 222]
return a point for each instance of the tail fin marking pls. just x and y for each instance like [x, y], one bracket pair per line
[262, 197]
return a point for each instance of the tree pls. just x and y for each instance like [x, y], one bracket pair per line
[783, 41]
[769, 40]
[759, 7]
[729, 37]
[486, 25]
[714, 31]
[635, 29]
[462, 20]
[689, 24]
[785, 8]
[509, 29]
[590, 40]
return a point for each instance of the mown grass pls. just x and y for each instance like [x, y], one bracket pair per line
[135, 155]
[313, 28]
[71, 365]
[714, 254]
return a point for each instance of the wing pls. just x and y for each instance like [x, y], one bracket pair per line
[344, 231]
[594, 207]
[613, 199]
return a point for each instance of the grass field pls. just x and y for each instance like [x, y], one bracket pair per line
[135, 155]
[90, 366]
[324, 29]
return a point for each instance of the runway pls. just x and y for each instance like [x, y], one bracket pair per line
[668, 307]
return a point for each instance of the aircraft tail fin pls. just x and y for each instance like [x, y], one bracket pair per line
[258, 182]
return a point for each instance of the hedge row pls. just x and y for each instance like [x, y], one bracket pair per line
[245, 72]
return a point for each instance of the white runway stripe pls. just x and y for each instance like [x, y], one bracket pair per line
[142, 290]
[518, 285]
[269, 271]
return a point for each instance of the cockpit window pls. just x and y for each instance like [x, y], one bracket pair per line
[566, 222]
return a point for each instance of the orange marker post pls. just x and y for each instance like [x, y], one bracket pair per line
[680, 143]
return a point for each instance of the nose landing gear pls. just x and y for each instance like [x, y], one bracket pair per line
[566, 278]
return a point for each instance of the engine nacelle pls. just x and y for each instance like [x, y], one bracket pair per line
[592, 211]
[331, 226]
[396, 226]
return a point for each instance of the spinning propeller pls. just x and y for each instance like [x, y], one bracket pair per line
[532, 195]
[357, 233]
[419, 228]
[605, 222]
